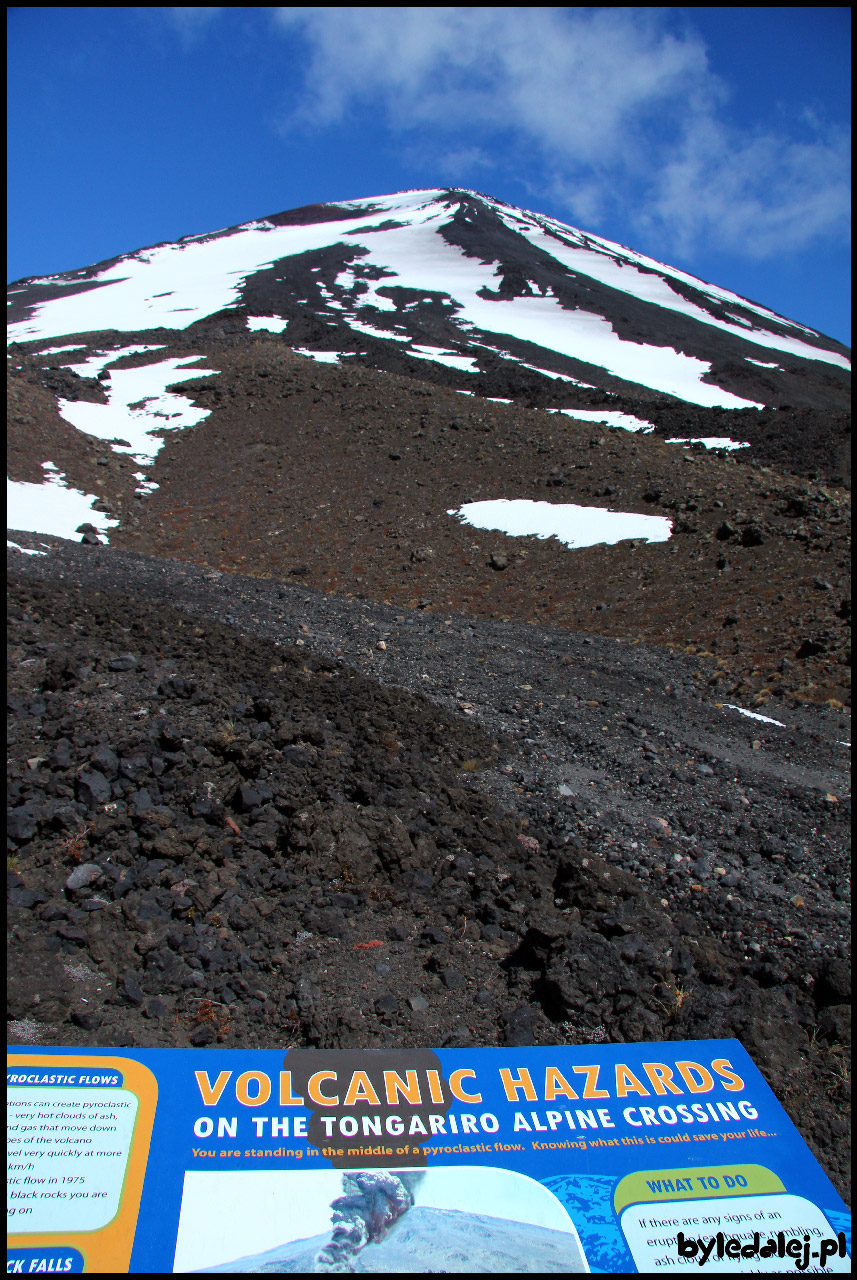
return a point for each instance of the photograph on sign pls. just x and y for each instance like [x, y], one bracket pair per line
[494, 1219]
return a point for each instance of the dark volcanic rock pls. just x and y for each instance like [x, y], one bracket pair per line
[377, 866]
[21, 823]
[93, 788]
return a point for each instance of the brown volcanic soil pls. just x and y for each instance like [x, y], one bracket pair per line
[345, 475]
[36, 433]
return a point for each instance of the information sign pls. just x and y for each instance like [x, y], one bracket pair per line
[600, 1158]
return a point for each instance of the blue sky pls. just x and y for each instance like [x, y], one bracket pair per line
[713, 139]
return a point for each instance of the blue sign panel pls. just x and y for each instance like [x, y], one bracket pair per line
[607, 1158]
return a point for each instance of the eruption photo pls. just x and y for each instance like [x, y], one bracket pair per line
[468, 1219]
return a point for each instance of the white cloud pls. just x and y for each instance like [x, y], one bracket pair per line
[571, 79]
[191, 22]
[599, 108]
[459, 162]
[762, 194]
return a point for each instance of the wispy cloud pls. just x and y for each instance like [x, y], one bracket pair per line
[602, 109]
[190, 22]
[760, 195]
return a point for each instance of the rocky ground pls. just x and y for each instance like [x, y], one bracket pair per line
[343, 476]
[247, 812]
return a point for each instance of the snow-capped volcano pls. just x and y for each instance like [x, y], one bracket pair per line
[455, 279]
[439, 401]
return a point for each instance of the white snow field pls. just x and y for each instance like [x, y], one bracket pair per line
[273, 324]
[522, 364]
[573, 525]
[175, 285]
[440, 356]
[612, 417]
[361, 326]
[754, 715]
[323, 357]
[25, 551]
[710, 442]
[601, 260]
[138, 405]
[52, 508]
[93, 365]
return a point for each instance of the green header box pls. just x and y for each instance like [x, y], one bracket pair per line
[703, 1182]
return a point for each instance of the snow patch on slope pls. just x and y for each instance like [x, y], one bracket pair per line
[138, 406]
[440, 356]
[92, 365]
[323, 357]
[573, 525]
[612, 417]
[273, 324]
[362, 327]
[52, 508]
[25, 551]
[754, 715]
[711, 442]
[421, 259]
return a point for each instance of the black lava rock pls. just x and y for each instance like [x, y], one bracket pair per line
[21, 823]
[93, 788]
